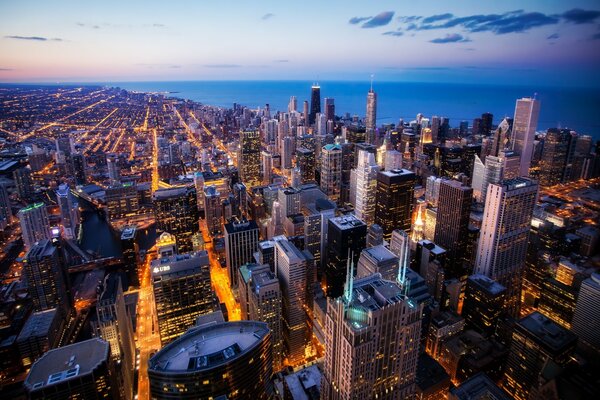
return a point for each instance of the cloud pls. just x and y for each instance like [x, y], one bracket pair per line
[35, 38]
[409, 18]
[6, 69]
[451, 38]
[157, 25]
[281, 61]
[267, 16]
[393, 33]
[438, 17]
[158, 65]
[381, 19]
[358, 20]
[553, 36]
[222, 65]
[579, 16]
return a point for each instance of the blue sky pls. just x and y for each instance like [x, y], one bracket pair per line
[544, 42]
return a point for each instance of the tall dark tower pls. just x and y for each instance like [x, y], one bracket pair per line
[315, 103]
[394, 200]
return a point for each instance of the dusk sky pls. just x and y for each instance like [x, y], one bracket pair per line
[553, 42]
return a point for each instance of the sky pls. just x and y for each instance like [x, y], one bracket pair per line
[547, 42]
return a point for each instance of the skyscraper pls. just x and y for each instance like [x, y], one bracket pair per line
[213, 210]
[329, 109]
[24, 184]
[371, 118]
[35, 225]
[249, 157]
[69, 214]
[525, 122]
[536, 340]
[114, 324]
[226, 360]
[114, 171]
[586, 321]
[484, 300]
[371, 342]
[292, 267]
[131, 254]
[363, 187]
[315, 103]
[346, 238]
[182, 291]
[176, 212]
[241, 241]
[5, 208]
[555, 161]
[504, 235]
[394, 200]
[331, 171]
[82, 370]
[452, 225]
[46, 277]
[305, 160]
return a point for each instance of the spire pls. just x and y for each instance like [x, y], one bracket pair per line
[348, 287]
[372, 76]
[403, 261]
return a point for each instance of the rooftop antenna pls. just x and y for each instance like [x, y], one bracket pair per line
[535, 96]
[372, 76]
[348, 287]
[403, 261]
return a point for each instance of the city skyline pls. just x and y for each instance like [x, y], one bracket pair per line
[548, 43]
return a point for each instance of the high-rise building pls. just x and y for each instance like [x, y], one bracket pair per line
[114, 170]
[305, 160]
[121, 200]
[46, 277]
[452, 225]
[482, 307]
[79, 167]
[249, 157]
[315, 103]
[293, 269]
[557, 157]
[226, 360]
[536, 340]
[394, 200]
[316, 218]
[377, 259]
[293, 104]
[262, 302]
[6, 216]
[371, 118]
[35, 225]
[24, 184]
[586, 321]
[241, 241]
[346, 238]
[527, 111]
[176, 212]
[329, 109]
[182, 292]
[213, 210]
[69, 213]
[371, 342]
[114, 325]
[331, 171]
[504, 235]
[131, 254]
[363, 187]
[82, 370]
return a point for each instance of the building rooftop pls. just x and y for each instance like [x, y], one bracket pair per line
[128, 233]
[43, 248]
[478, 387]
[178, 263]
[38, 324]
[67, 362]
[547, 332]
[487, 283]
[396, 172]
[347, 221]
[174, 192]
[304, 384]
[380, 253]
[240, 225]
[209, 346]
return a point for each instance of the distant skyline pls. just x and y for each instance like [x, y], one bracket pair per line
[551, 42]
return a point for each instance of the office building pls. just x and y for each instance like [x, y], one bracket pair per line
[6, 216]
[35, 225]
[293, 269]
[260, 300]
[79, 166]
[315, 103]
[504, 235]
[478, 387]
[331, 171]
[371, 117]
[346, 238]
[114, 170]
[377, 259]
[363, 187]
[329, 109]
[536, 340]
[241, 241]
[24, 184]
[249, 158]
[372, 341]
[483, 304]
[46, 278]
[586, 321]
[442, 327]
[83, 370]
[114, 326]
[557, 157]
[122, 201]
[316, 219]
[176, 212]
[374, 235]
[69, 212]
[226, 360]
[182, 291]
[394, 200]
[131, 254]
[41, 332]
[305, 160]
[452, 225]
[213, 210]
[527, 111]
